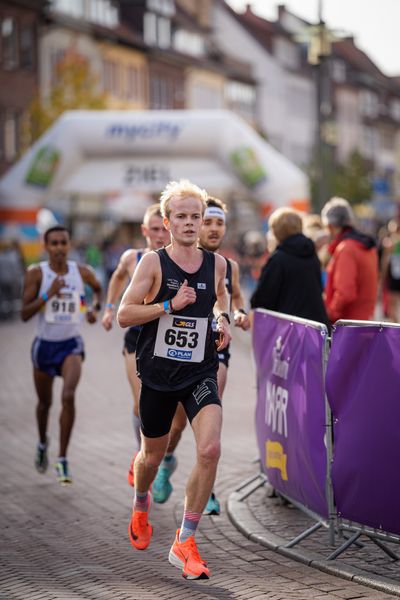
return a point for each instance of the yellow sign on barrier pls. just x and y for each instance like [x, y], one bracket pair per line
[275, 458]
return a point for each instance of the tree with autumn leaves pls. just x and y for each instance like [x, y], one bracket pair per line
[75, 87]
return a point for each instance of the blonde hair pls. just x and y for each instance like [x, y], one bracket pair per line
[285, 222]
[151, 211]
[312, 226]
[181, 189]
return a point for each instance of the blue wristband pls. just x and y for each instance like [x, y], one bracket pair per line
[45, 296]
[166, 306]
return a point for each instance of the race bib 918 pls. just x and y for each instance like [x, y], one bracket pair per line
[181, 338]
[64, 308]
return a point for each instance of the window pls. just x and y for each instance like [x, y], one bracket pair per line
[164, 33]
[388, 140]
[56, 56]
[2, 116]
[164, 7]
[10, 136]
[103, 12]
[154, 93]
[162, 90]
[9, 42]
[206, 96]
[27, 47]
[286, 53]
[241, 97]
[74, 8]
[157, 30]
[150, 29]
[301, 100]
[132, 86]
[395, 109]
[368, 142]
[111, 77]
[369, 104]
[338, 70]
[189, 43]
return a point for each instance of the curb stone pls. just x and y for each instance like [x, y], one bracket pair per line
[243, 519]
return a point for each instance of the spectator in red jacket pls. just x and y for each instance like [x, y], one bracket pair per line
[352, 272]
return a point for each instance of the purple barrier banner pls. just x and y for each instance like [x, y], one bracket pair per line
[363, 389]
[290, 411]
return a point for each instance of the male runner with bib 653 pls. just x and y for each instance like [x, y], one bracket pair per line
[173, 294]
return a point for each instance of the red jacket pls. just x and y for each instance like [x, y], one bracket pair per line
[352, 284]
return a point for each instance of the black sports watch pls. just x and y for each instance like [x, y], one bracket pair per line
[224, 314]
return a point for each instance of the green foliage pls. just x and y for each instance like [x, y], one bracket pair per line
[352, 180]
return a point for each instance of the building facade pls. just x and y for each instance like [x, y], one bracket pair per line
[285, 101]
[19, 28]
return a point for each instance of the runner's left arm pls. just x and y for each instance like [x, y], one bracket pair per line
[222, 304]
[240, 316]
[116, 287]
[89, 278]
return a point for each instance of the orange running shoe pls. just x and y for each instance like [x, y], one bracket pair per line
[185, 556]
[140, 530]
[131, 472]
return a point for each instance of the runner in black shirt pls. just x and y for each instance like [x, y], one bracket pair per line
[212, 233]
[173, 294]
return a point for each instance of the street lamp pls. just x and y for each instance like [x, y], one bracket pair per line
[319, 39]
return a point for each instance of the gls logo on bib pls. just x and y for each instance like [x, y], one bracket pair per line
[186, 323]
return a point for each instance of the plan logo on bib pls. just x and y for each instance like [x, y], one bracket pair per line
[179, 354]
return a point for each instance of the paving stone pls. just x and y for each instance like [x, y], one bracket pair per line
[67, 543]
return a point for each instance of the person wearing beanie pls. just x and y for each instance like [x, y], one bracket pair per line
[352, 273]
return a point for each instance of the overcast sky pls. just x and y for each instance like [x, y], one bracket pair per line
[375, 24]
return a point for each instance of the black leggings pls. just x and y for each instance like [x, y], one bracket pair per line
[157, 408]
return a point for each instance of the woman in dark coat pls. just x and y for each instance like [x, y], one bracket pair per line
[290, 281]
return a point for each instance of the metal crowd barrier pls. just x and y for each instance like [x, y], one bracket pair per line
[300, 412]
[362, 379]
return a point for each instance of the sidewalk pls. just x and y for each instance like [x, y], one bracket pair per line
[273, 523]
[69, 543]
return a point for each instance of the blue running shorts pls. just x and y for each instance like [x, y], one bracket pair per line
[49, 356]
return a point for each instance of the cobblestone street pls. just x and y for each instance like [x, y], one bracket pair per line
[69, 543]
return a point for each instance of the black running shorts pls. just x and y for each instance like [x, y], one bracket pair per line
[130, 339]
[157, 408]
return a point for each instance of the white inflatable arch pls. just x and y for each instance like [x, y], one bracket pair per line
[109, 152]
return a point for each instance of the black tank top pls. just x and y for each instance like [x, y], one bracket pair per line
[162, 373]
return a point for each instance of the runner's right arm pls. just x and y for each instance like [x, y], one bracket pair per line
[31, 301]
[132, 311]
[136, 306]
[116, 287]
